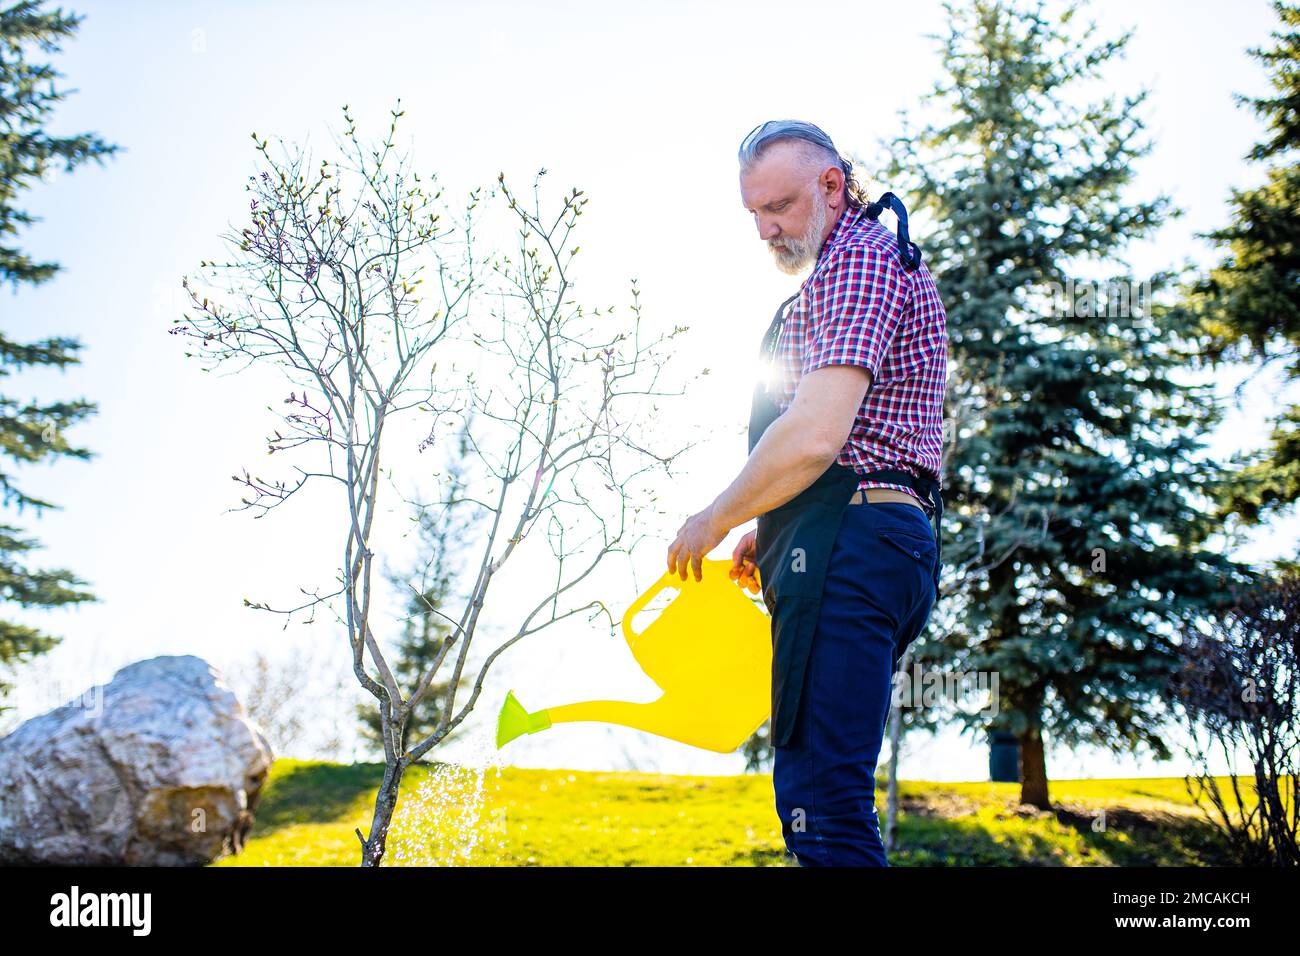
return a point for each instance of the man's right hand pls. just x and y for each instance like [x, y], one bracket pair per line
[744, 570]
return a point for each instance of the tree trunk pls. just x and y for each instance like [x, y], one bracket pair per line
[1033, 770]
[895, 739]
[372, 850]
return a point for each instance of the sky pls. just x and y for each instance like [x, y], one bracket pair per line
[642, 107]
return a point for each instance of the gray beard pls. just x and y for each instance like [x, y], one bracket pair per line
[802, 252]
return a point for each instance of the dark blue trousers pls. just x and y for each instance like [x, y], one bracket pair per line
[880, 587]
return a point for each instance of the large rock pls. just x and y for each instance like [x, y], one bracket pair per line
[161, 766]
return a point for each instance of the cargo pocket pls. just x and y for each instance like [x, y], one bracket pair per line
[922, 554]
[920, 547]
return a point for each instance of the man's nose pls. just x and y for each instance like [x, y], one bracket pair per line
[768, 231]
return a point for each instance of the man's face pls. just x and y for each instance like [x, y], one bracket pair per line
[789, 207]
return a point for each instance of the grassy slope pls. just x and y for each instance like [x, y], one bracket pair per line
[523, 817]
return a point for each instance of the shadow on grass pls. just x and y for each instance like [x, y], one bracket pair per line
[1153, 838]
[761, 856]
[935, 841]
[948, 836]
[308, 792]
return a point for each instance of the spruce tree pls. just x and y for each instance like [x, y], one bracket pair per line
[31, 431]
[1250, 303]
[1075, 487]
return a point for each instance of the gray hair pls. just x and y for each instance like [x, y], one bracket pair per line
[815, 144]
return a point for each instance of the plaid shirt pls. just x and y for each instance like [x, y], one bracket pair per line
[859, 306]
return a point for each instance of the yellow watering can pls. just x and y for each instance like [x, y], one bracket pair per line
[710, 650]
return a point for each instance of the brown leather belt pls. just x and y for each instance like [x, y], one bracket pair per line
[882, 495]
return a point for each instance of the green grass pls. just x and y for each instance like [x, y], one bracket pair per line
[521, 817]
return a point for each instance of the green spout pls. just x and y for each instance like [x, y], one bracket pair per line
[514, 721]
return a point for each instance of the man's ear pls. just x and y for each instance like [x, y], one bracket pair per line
[832, 183]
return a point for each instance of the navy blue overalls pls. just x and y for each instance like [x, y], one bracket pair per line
[848, 588]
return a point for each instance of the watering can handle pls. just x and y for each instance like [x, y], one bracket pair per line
[639, 604]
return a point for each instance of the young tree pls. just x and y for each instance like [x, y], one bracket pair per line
[431, 585]
[1075, 470]
[1238, 688]
[327, 283]
[1250, 303]
[29, 430]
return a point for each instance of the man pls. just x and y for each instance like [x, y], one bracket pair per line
[843, 470]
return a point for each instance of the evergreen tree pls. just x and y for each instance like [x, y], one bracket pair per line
[1075, 488]
[757, 749]
[31, 431]
[429, 589]
[1250, 303]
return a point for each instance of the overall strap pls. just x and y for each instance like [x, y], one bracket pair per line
[774, 330]
[907, 249]
[922, 486]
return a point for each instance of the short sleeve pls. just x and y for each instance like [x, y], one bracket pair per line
[854, 309]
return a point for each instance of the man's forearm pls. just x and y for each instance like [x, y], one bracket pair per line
[787, 459]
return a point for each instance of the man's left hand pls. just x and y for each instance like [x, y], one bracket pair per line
[697, 537]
